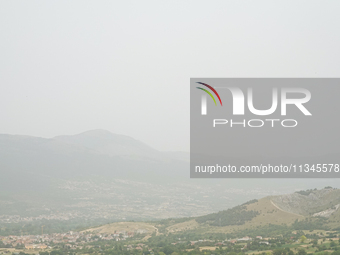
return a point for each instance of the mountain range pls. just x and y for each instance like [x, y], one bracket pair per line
[102, 175]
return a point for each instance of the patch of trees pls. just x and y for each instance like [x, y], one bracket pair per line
[311, 224]
[251, 202]
[305, 192]
[235, 216]
[283, 251]
[2, 245]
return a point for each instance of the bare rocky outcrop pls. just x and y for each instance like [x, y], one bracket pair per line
[313, 203]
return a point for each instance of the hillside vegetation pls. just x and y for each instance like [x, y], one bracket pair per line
[238, 215]
[299, 211]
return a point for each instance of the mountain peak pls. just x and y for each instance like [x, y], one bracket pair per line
[97, 132]
[105, 142]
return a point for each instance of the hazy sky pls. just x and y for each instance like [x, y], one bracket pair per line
[70, 66]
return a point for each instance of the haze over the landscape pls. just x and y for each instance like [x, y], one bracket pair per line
[95, 128]
[124, 66]
[101, 175]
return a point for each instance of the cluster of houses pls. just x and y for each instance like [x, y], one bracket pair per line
[51, 216]
[243, 239]
[233, 241]
[71, 239]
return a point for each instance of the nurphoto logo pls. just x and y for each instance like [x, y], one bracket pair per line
[239, 105]
[264, 127]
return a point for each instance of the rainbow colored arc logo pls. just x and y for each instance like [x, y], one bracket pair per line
[212, 89]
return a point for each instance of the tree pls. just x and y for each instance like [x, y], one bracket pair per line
[280, 251]
[302, 252]
[303, 239]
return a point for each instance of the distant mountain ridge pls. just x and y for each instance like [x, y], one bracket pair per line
[107, 143]
[114, 172]
[95, 152]
[59, 173]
